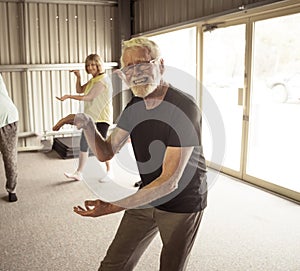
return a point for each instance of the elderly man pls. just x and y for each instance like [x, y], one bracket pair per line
[164, 126]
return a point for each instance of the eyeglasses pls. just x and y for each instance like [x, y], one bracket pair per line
[142, 66]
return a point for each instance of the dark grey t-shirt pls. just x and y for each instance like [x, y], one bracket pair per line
[175, 122]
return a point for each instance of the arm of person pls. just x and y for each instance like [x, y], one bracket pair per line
[91, 95]
[104, 149]
[68, 96]
[174, 163]
[94, 92]
[79, 88]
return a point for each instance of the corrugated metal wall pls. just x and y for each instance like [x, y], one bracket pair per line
[41, 41]
[150, 15]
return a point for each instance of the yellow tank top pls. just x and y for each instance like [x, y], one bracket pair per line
[100, 108]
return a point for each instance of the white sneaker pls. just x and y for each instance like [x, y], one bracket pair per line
[74, 176]
[108, 177]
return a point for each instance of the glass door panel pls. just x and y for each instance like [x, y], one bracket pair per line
[179, 58]
[274, 130]
[223, 80]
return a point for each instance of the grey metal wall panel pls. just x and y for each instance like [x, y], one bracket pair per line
[63, 34]
[4, 48]
[38, 34]
[13, 36]
[151, 15]
[9, 25]
[33, 34]
[18, 96]
[114, 35]
[43, 29]
[82, 26]
[73, 33]
[37, 100]
[91, 27]
[157, 19]
[53, 34]
[170, 11]
[109, 26]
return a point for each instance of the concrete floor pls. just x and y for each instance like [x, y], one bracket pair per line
[243, 228]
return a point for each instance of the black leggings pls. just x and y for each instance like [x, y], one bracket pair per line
[102, 127]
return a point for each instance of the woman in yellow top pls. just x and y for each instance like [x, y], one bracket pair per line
[97, 97]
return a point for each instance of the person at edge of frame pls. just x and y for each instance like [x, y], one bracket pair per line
[9, 119]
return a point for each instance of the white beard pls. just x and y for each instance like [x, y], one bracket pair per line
[143, 91]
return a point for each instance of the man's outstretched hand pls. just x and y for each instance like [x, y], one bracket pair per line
[95, 208]
[66, 120]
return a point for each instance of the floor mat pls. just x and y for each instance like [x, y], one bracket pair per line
[67, 147]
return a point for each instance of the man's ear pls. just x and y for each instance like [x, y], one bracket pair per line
[161, 66]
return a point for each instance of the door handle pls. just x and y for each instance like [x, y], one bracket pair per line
[240, 96]
[246, 118]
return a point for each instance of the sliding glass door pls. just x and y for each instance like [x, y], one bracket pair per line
[274, 129]
[259, 99]
[223, 80]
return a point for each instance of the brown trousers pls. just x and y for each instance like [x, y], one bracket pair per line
[8, 148]
[138, 228]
